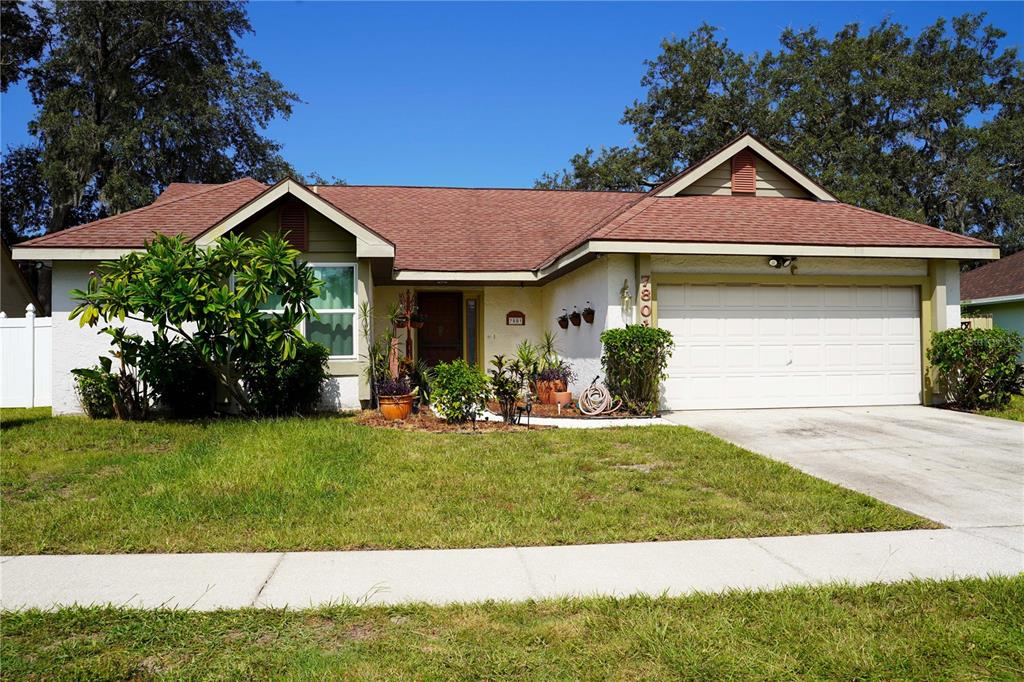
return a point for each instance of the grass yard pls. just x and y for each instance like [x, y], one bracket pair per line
[72, 485]
[964, 630]
[1014, 411]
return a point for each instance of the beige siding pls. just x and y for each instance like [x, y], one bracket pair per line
[327, 241]
[718, 181]
[771, 182]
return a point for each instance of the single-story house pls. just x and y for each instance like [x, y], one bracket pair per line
[997, 289]
[777, 294]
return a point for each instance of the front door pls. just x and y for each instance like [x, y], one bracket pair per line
[440, 339]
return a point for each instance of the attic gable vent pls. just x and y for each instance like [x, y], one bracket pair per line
[291, 221]
[744, 173]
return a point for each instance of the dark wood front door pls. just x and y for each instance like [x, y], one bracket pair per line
[440, 339]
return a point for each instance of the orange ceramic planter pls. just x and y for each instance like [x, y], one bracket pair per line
[395, 407]
[561, 397]
[546, 389]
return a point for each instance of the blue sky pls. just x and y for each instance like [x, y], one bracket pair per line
[470, 94]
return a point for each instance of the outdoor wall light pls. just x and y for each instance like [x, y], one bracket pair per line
[626, 303]
[779, 262]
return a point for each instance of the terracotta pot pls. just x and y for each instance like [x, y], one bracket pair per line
[575, 319]
[547, 389]
[561, 397]
[563, 322]
[395, 407]
[588, 316]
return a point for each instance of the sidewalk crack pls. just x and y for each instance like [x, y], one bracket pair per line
[781, 559]
[270, 576]
[529, 576]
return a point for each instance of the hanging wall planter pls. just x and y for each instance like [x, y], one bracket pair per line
[563, 320]
[575, 318]
[588, 314]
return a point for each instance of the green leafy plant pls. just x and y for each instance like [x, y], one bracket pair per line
[96, 388]
[529, 357]
[507, 379]
[459, 391]
[285, 386]
[634, 361]
[211, 299]
[177, 377]
[977, 368]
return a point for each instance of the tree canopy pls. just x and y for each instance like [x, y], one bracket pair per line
[132, 96]
[927, 127]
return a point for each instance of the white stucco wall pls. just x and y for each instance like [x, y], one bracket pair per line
[499, 338]
[598, 282]
[946, 304]
[75, 346]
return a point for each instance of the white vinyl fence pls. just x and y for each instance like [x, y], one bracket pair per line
[25, 358]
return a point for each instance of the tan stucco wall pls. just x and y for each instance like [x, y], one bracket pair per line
[816, 265]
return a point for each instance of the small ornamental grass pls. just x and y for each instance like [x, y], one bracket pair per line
[634, 362]
[978, 368]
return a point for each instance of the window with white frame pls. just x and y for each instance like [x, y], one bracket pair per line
[336, 306]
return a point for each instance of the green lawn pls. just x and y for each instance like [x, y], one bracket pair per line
[71, 485]
[965, 630]
[1015, 410]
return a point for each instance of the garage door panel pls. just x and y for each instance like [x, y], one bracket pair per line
[790, 346]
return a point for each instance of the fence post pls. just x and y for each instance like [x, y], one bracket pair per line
[30, 324]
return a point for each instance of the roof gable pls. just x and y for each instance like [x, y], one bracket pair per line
[718, 174]
[368, 242]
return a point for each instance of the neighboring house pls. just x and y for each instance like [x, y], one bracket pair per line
[778, 294]
[997, 289]
[15, 292]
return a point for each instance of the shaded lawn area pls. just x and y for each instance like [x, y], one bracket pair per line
[958, 630]
[1014, 411]
[72, 485]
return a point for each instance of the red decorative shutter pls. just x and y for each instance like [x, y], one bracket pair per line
[744, 173]
[293, 225]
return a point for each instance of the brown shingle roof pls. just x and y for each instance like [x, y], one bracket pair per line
[190, 214]
[770, 220]
[452, 229]
[444, 228]
[1004, 277]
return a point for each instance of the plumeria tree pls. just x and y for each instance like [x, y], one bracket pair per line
[213, 299]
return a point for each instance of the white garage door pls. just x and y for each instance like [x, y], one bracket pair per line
[791, 346]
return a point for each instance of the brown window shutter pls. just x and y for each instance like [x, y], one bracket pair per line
[744, 173]
[293, 225]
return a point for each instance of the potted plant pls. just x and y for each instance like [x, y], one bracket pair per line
[395, 397]
[588, 314]
[563, 320]
[554, 379]
[574, 317]
[417, 320]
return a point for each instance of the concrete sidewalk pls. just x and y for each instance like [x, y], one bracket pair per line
[305, 579]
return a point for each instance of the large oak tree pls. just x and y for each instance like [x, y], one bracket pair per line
[132, 96]
[927, 127]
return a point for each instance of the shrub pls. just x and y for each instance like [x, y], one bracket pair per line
[458, 391]
[177, 377]
[292, 385]
[96, 388]
[634, 362]
[977, 368]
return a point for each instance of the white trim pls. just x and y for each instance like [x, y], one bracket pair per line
[69, 253]
[691, 175]
[735, 249]
[368, 244]
[993, 299]
[440, 276]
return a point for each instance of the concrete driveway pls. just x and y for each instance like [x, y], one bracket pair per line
[962, 470]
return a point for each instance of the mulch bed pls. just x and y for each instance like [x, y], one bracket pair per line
[541, 410]
[426, 421]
